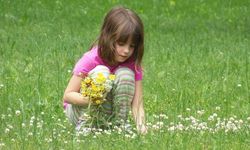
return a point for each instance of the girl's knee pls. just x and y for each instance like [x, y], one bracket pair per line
[125, 73]
[100, 69]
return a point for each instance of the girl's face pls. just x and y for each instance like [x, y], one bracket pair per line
[123, 51]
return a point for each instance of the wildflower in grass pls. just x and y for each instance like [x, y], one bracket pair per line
[2, 145]
[179, 116]
[172, 128]
[30, 134]
[3, 116]
[18, 112]
[163, 116]
[248, 118]
[200, 112]
[217, 108]
[7, 130]
[10, 126]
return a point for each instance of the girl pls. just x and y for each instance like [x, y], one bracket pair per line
[118, 50]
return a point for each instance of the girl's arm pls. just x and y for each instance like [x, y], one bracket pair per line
[72, 95]
[138, 109]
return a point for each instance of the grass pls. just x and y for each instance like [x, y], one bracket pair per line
[196, 56]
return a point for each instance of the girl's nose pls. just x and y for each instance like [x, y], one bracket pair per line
[126, 49]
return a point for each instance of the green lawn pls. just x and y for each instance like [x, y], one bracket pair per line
[196, 72]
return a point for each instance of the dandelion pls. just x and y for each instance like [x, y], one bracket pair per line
[210, 118]
[107, 132]
[180, 126]
[133, 136]
[98, 133]
[98, 102]
[179, 116]
[155, 116]
[10, 126]
[127, 136]
[160, 123]
[39, 125]
[31, 122]
[149, 124]
[200, 112]
[215, 115]
[163, 116]
[18, 112]
[3, 116]
[171, 128]
[217, 108]
[30, 134]
[2, 145]
[1, 86]
[112, 77]
[155, 127]
[33, 118]
[7, 130]
[248, 118]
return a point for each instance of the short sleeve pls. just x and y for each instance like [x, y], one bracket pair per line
[138, 74]
[83, 66]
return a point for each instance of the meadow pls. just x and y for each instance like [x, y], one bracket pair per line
[196, 73]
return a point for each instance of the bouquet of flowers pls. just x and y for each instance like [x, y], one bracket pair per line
[96, 87]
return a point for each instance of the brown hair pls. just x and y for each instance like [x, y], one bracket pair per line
[119, 25]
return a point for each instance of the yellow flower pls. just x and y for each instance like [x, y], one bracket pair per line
[112, 77]
[100, 75]
[93, 95]
[83, 86]
[100, 78]
[99, 95]
[98, 102]
[87, 80]
[94, 88]
[101, 88]
[84, 94]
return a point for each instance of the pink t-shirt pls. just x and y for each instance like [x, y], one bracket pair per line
[91, 59]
